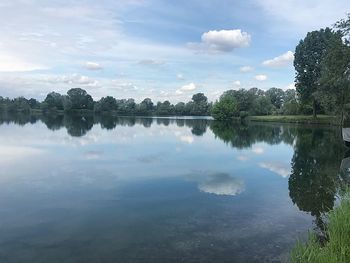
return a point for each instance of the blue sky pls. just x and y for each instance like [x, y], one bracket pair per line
[154, 48]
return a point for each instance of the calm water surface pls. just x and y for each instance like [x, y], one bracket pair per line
[99, 189]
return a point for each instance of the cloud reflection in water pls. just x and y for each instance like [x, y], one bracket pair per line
[219, 183]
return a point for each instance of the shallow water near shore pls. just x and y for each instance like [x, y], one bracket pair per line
[102, 189]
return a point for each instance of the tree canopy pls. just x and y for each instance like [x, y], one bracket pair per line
[308, 57]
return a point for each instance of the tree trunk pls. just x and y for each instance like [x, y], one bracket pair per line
[314, 109]
[342, 108]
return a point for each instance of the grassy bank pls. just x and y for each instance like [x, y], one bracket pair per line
[337, 249]
[321, 119]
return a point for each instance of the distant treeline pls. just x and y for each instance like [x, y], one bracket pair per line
[248, 102]
[78, 99]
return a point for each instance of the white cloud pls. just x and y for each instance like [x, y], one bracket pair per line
[290, 86]
[217, 41]
[14, 63]
[261, 77]
[73, 79]
[126, 86]
[242, 158]
[258, 150]
[283, 60]
[92, 155]
[187, 139]
[14, 153]
[246, 69]
[180, 76]
[237, 84]
[151, 62]
[278, 168]
[222, 184]
[93, 66]
[185, 88]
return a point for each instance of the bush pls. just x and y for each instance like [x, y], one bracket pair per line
[243, 114]
[225, 108]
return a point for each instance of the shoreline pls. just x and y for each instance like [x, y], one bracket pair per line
[292, 119]
[298, 119]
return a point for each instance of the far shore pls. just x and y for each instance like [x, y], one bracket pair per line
[307, 119]
[299, 119]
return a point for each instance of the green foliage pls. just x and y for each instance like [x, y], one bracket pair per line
[244, 98]
[308, 57]
[321, 119]
[19, 104]
[180, 108]
[276, 97]
[290, 105]
[337, 249]
[67, 103]
[225, 109]
[53, 101]
[335, 76]
[80, 99]
[146, 107]
[291, 108]
[263, 106]
[165, 108]
[33, 103]
[343, 25]
[106, 104]
[200, 105]
[243, 114]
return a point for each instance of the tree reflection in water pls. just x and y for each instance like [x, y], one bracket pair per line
[314, 179]
[320, 167]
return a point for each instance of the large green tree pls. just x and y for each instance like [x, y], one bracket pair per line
[180, 108]
[146, 107]
[276, 96]
[263, 106]
[165, 108]
[225, 109]
[290, 103]
[200, 104]
[243, 98]
[106, 104]
[335, 74]
[335, 78]
[80, 99]
[53, 101]
[309, 54]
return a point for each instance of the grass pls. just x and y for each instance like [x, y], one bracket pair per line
[321, 119]
[337, 249]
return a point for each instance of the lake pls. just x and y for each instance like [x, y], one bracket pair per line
[103, 189]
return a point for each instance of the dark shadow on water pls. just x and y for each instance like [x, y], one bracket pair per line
[242, 136]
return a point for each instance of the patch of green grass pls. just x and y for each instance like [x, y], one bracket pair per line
[337, 249]
[321, 119]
